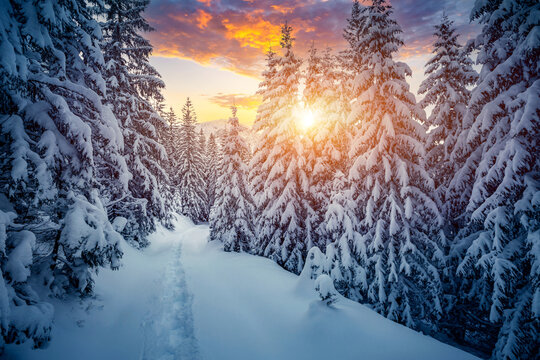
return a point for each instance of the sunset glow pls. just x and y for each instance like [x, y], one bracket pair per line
[227, 40]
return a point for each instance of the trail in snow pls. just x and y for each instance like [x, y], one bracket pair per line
[114, 324]
[169, 332]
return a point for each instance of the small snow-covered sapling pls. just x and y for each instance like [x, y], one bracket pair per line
[324, 286]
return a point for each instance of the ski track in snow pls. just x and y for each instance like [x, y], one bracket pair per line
[169, 331]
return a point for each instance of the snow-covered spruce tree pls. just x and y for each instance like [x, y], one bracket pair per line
[23, 315]
[170, 135]
[280, 230]
[353, 34]
[133, 84]
[500, 247]
[325, 143]
[312, 77]
[327, 150]
[171, 147]
[190, 170]
[204, 169]
[213, 160]
[449, 73]
[346, 250]
[314, 198]
[231, 217]
[167, 187]
[351, 58]
[399, 219]
[202, 142]
[264, 123]
[62, 143]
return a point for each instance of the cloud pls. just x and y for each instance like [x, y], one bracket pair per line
[203, 18]
[235, 34]
[244, 101]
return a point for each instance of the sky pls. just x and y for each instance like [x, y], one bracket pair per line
[213, 50]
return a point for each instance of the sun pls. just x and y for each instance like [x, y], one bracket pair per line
[307, 119]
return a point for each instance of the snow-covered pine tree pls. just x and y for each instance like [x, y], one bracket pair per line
[231, 217]
[133, 84]
[325, 143]
[23, 315]
[280, 231]
[449, 73]
[62, 142]
[314, 198]
[312, 78]
[202, 142]
[335, 113]
[204, 169]
[213, 161]
[400, 219]
[169, 139]
[168, 188]
[353, 33]
[346, 250]
[171, 146]
[191, 185]
[351, 59]
[264, 123]
[500, 247]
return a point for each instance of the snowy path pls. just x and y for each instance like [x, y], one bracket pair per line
[118, 323]
[169, 332]
[185, 299]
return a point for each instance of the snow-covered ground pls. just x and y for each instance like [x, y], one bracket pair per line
[184, 298]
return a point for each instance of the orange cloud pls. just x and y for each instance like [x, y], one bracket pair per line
[234, 34]
[253, 31]
[203, 18]
[283, 9]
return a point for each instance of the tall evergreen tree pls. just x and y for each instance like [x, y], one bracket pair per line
[280, 230]
[346, 250]
[133, 84]
[191, 186]
[352, 58]
[231, 218]
[202, 142]
[204, 169]
[62, 149]
[353, 34]
[499, 249]
[63, 142]
[325, 143]
[264, 123]
[449, 73]
[399, 218]
[168, 137]
[213, 161]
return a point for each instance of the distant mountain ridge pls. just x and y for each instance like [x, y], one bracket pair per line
[218, 127]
